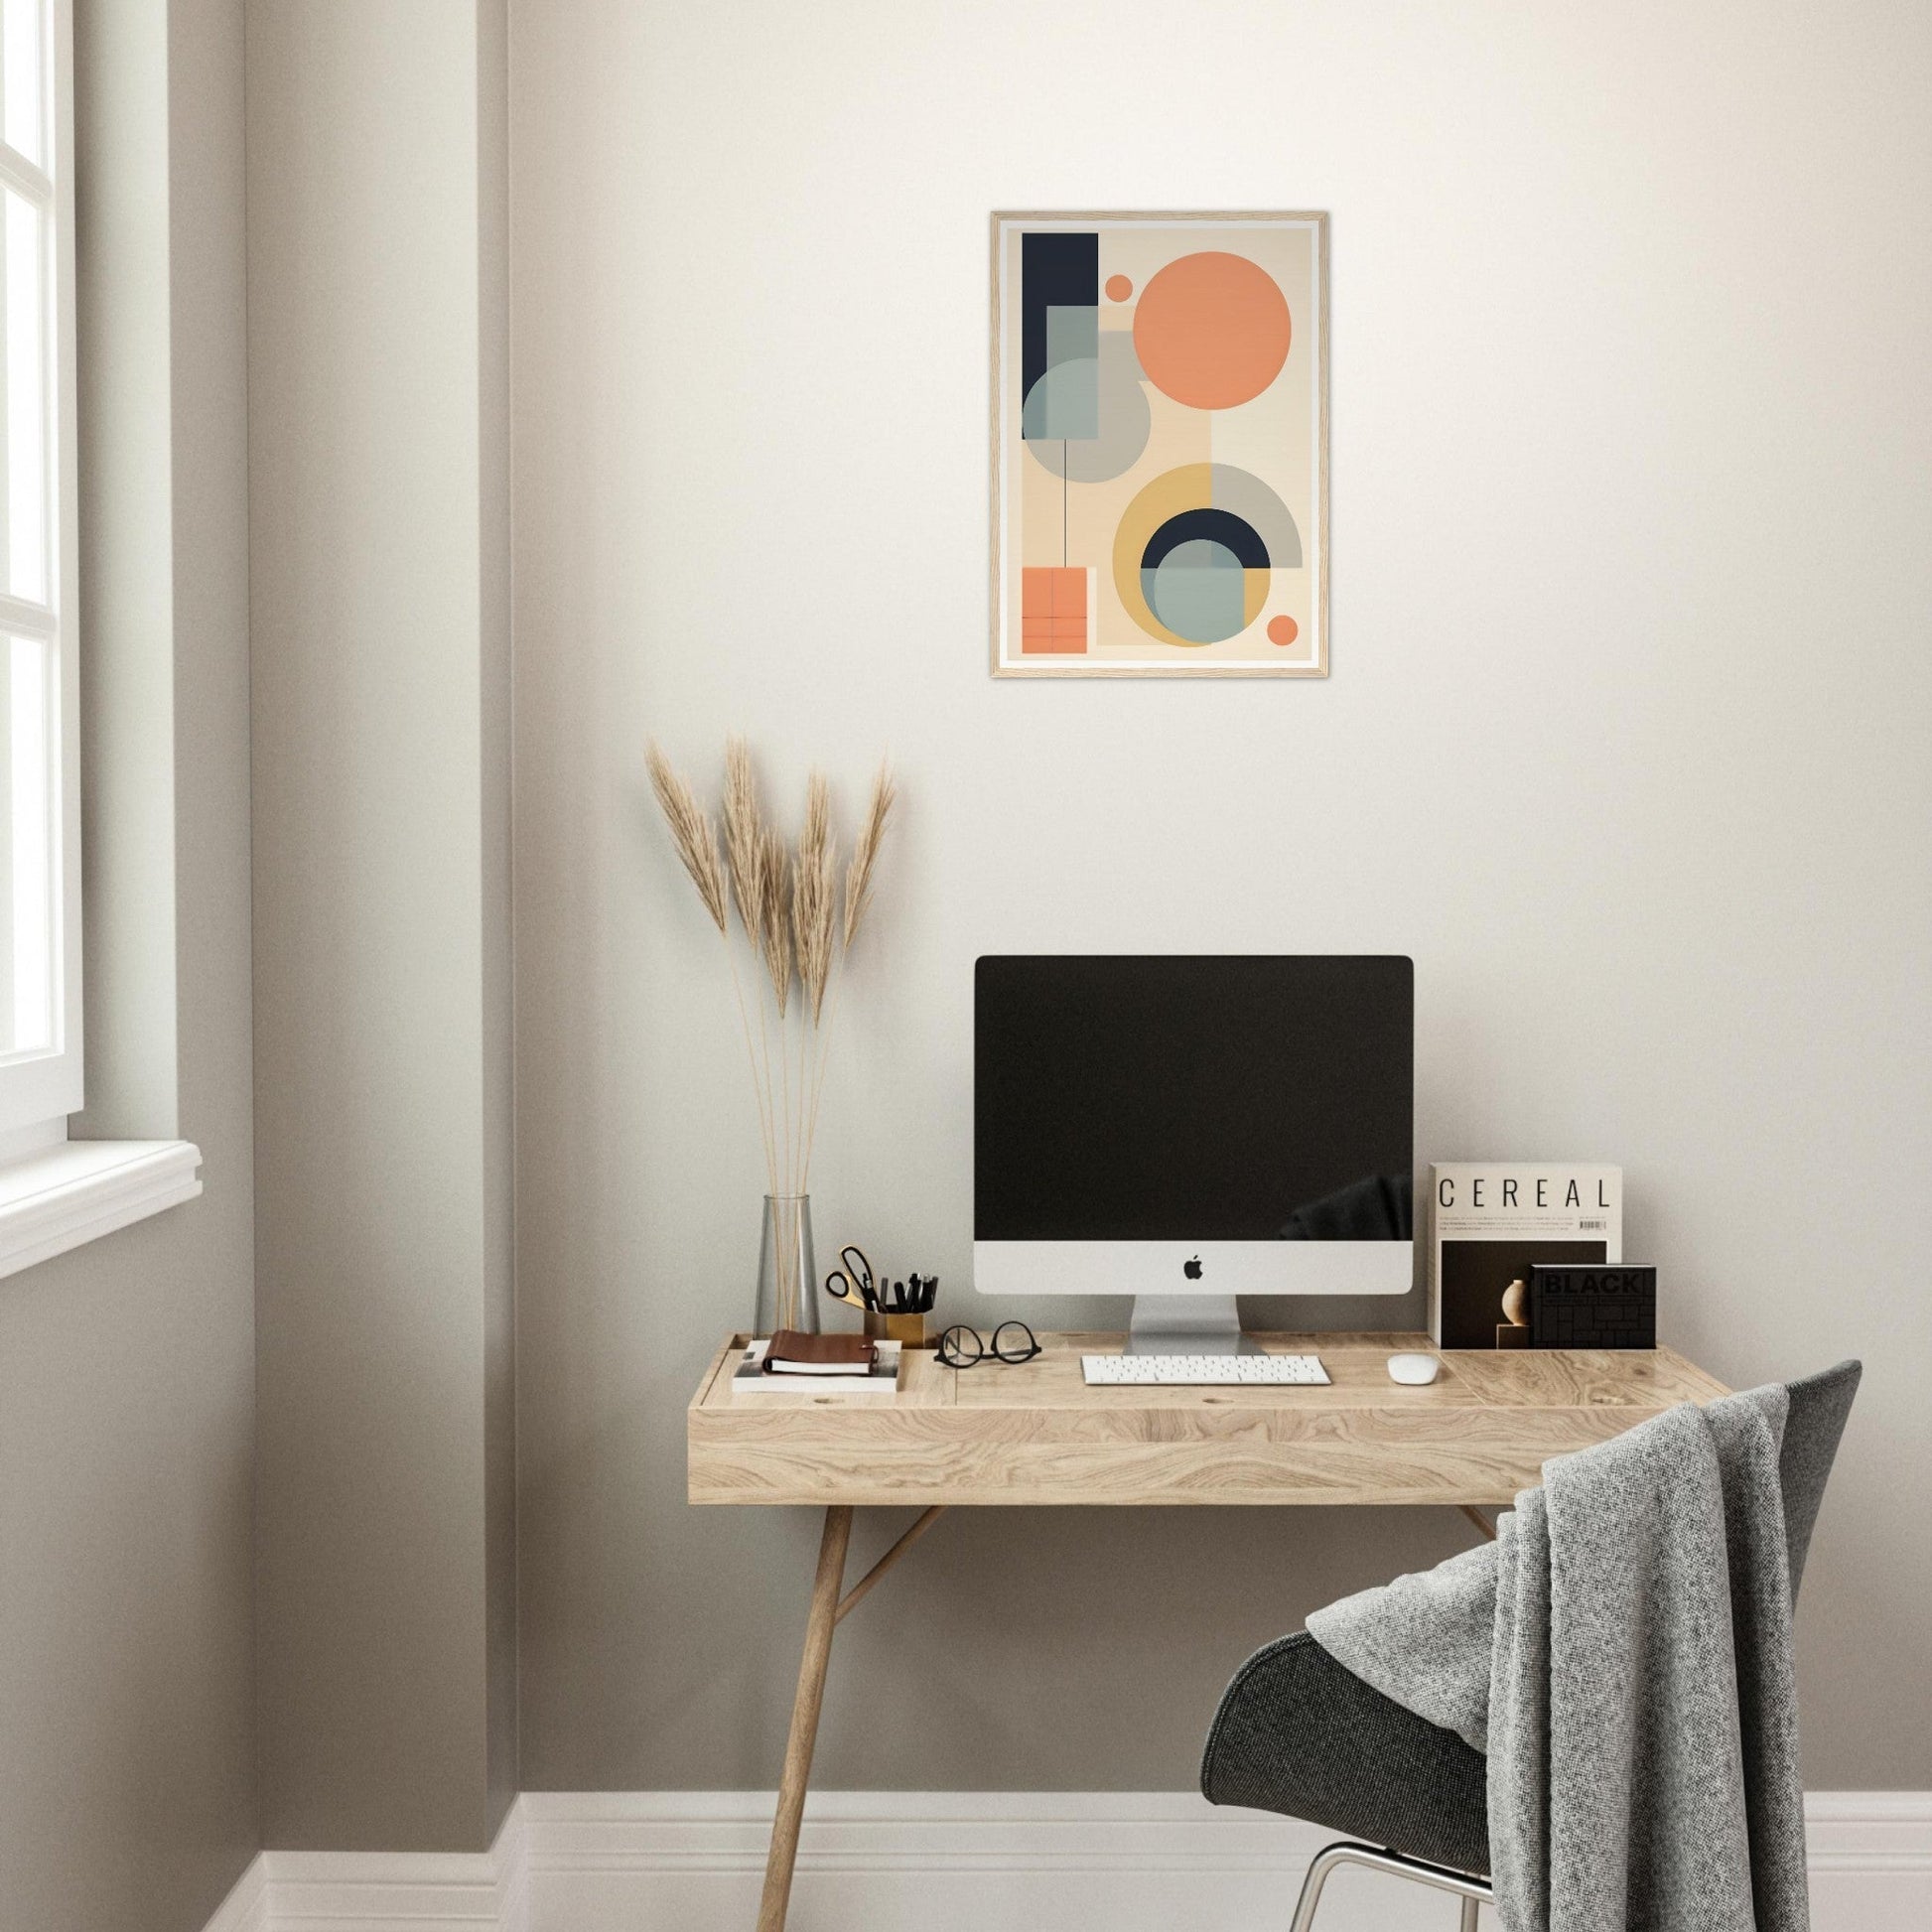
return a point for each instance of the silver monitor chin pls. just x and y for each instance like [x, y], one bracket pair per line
[1184, 1297]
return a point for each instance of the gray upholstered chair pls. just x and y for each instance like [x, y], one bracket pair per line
[1298, 1734]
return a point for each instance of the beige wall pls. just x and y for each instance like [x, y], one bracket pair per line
[492, 30]
[127, 1789]
[377, 393]
[1624, 743]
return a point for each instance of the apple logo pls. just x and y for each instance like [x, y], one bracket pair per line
[1191, 1269]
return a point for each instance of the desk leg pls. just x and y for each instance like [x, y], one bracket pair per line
[804, 1718]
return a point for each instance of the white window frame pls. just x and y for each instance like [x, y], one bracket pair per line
[40, 1088]
[56, 1192]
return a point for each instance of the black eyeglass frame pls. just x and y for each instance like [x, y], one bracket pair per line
[949, 1356]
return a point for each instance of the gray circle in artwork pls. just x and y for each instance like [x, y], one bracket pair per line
[1196, 590]
[1125, 420]
[1242, 494]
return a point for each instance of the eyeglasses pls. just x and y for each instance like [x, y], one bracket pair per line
[963, 1347]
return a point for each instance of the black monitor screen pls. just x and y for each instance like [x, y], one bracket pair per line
[1192, 1099]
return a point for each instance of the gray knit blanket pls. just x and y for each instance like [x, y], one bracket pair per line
[1622, 1652]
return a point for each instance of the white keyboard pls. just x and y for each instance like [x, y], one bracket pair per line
[1202, 1371]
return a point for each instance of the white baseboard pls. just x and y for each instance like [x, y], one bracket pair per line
[953, 1861]
[245, 1909]
[386, 1891]
[939, 1862]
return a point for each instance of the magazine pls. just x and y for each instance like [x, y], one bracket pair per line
[1490, 1220]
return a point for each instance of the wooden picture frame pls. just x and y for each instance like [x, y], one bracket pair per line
[1183, 358]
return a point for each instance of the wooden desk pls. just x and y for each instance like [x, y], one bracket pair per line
[1034, 1433]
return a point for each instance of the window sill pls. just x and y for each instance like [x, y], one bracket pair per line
[78, 1191]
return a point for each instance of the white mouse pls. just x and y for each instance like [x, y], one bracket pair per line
[1414, 1369]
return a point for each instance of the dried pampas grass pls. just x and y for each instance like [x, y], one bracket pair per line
[788, 912]
[865, 851]
[775, 917]
[814, 895]
[692, 832]
[743, 834]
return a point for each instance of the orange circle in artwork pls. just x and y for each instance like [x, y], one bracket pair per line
[1283, 630]
[1119, 288]
[1211, 330]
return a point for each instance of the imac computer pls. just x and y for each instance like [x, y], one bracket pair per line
[1185, 1130]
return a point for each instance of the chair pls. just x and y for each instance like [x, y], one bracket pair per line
[1298, 1734]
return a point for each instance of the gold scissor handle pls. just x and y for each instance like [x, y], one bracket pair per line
[853, 1278]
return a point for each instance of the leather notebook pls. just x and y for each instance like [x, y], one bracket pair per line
[793, 1353]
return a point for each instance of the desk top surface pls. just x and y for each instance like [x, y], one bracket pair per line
[1034, 1433]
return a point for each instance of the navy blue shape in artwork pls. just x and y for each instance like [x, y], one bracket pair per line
[1231, 532]
[1057, 271]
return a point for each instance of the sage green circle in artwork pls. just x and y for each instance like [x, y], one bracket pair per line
[1124, 419]
[1196, 590]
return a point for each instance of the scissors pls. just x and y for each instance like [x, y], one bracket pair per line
[852, 1280]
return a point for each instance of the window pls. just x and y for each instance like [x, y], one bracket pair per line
[54, 1193]
[40, 789]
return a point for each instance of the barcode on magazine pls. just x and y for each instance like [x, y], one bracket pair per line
[1591, 1227]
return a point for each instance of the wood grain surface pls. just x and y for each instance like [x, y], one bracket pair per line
[1035, 1433]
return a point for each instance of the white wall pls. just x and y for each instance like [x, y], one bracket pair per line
[127, 1733]
[1625, 742]
[381, 696]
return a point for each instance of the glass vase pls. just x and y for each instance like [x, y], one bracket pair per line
[787, 1272]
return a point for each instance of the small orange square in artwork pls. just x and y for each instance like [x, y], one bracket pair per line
[1053, 609]
[1052, 590]
[1061, 636]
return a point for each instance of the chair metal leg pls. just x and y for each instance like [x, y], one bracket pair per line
[1471, 1890]
[1325, 1862]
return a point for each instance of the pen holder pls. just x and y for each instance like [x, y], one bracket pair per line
[908, 1329]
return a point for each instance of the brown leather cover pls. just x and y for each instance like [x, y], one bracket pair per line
[823, 1351]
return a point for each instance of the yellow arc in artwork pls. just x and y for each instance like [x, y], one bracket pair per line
[1191, 487]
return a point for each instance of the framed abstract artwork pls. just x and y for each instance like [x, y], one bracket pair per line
[1160, 445]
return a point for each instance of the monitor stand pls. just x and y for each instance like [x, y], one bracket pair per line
[1187, 1324]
